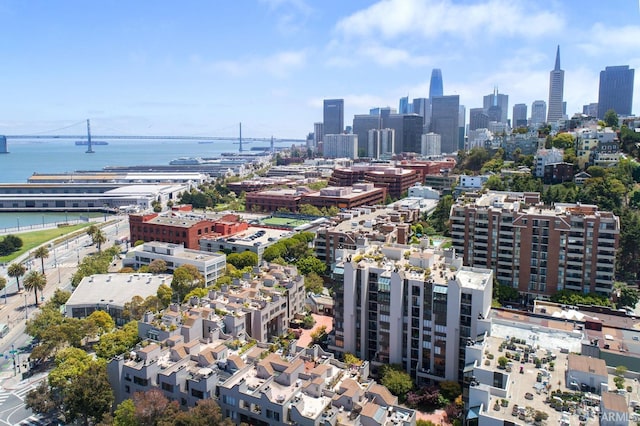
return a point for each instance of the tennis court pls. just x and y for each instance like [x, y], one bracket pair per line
[283, 221]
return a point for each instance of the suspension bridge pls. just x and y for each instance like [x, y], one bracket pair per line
[88, 137]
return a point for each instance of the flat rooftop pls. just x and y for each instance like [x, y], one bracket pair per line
[116, 289]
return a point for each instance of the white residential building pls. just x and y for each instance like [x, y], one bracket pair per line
[431, 144]
[340, 146]
[546, 156]
[211, 265]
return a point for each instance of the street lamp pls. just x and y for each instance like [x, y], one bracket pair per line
[18, 219]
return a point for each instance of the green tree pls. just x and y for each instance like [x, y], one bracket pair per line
[398, 381]
[505, 293]
[99, 238]
[41, 253]
[563, 141]
[308, 265]
[185, 278]
[242, 260]
[503, 361]
[158, 266]
[3, 283]
[35, 281]
[88, 397]
[309, 210]
[16, 270]
[627, 296]
[439, 219]
[450, 389]
[125, 414]
[164, 295]
[118, 341]
[495, 183]
[628, 255]
[40, 400]
[611, 118]
[101, 321]
[313, 283]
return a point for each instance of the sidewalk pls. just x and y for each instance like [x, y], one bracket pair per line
[10, 382]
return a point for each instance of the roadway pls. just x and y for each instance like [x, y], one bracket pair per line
[16, 308]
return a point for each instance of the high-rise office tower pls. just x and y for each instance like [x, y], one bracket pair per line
[381, 143]
[616, 90]
[496, 105]
[435, 85]
[590, 109]
[519, 115]
[420, 106]
[556, 91]
[318, 133]
[444, 121]
[405, 107]
[408, 131]
[462, 115]
[538, 113]
[333, 117]
[478, 119]
[340, 146]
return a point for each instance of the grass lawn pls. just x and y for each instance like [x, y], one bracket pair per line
[31, 240]
[283, 221]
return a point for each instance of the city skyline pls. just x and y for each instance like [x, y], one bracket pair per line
[203, 69]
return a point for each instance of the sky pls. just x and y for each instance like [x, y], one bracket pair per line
[164, 67]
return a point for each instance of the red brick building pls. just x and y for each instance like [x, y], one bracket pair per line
[173, 228]
[396, 181]
[425, 168]
[360, 194]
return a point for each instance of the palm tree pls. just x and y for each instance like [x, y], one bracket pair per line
[16, 270]
[3, 284]
[41, 253]
[35, 281]
[99, 238]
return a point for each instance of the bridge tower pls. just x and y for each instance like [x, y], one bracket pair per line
[89, 147]
[240, 141]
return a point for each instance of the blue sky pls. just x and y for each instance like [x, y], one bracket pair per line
[200, 67]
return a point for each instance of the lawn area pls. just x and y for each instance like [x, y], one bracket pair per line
[31, 240]
[284, 221]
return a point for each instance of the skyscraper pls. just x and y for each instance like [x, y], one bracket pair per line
[556, 91]
[333, 117]
[462, 124]
[519, 115]
[435, 86]
[496, 105]
[616, 90]
[405, 107]
[538, 113]
[478, 119]
[444, 121]
[590, 109]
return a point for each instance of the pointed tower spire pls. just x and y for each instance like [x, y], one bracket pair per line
[557, 68]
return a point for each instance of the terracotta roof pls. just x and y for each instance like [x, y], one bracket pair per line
[149, 348]
[180, 351]
[370, 410]
[614, 402]
[587, 364]
[383, 393]
[349, 388]
[235, 359]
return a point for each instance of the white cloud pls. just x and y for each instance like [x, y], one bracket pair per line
[291, 15]
[603, 40]
[431, 18]
[280, 64]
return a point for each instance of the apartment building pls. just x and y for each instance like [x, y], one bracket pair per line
[358, 228]
[535, 248]
[309, 388]
[411, 306]
[211, 265]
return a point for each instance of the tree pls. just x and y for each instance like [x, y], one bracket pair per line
[164, 295]
[351, 360]
[398, 381]
[88, 397]
[611, 118]
[450, 389]
[101, 321]
[16, 270]
[313, 283]
[118, 341]
[309, 210]
[9, 244]
[503, 361]
[158, 266]
[125, 414]
[628, 297]
[439, 219]
[505, 293]
[41, 253]
[99, 238]
[310, 264]
[150, 406]
[35, 281]
[242, 260]
[40, 400]
[185, 278]
[3, 283]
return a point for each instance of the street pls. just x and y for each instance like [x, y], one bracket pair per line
[16, 307]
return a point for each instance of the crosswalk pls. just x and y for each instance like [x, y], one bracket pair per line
[4, 395]
[37, 421]
[22, 392]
